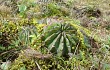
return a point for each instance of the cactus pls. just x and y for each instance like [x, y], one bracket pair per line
[62, 38]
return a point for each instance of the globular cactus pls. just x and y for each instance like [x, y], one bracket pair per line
[62, 38]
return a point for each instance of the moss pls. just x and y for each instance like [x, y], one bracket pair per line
[8, 30]
[22, 61]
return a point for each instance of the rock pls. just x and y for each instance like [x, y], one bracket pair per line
[29, 52]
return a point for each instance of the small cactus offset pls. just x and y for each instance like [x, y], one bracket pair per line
[62, 38]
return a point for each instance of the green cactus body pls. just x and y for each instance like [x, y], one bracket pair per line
[63, 38]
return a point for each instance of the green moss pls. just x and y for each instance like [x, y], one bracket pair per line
[23, 61]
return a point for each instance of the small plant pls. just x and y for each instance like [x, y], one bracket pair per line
[64, 38]
[25, 5]
[92, 11]
[23, 38]
[8, 29]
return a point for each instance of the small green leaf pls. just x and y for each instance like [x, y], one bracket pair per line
[22, 8]
[106, 66]
[23, 68]
[5, 65]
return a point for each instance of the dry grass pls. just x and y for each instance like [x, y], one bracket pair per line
[4, 10]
